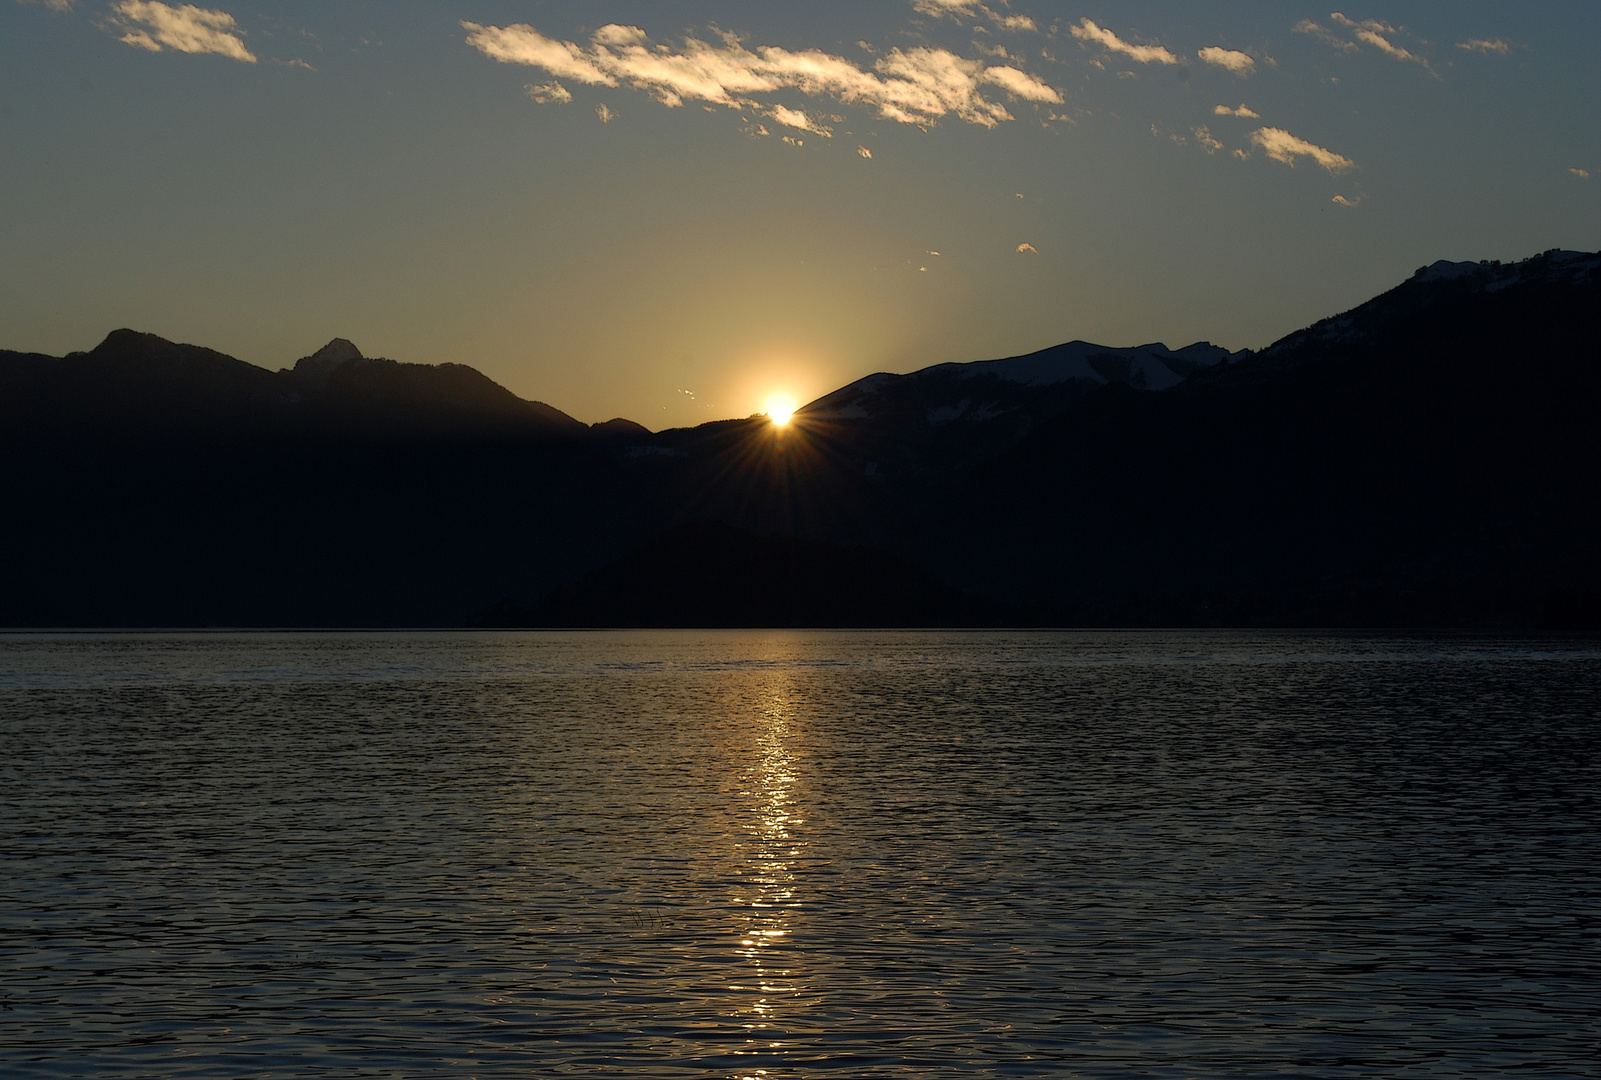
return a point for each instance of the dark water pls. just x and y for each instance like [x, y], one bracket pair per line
[799, 854]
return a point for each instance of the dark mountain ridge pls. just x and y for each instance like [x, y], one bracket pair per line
[134, 383]
[931, 426]
[1427, 458]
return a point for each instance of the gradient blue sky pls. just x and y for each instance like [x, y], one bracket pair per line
[689, 222]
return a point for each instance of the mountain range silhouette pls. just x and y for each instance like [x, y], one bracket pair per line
[1426, 459]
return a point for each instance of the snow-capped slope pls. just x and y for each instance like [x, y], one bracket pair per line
[1149, 367]
[1495, 275]
[1489, 276]
[947, 394]
[940, 420]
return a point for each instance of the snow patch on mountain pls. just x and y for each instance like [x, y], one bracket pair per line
[1488, 275]
[1145, 367]
[1153, 367]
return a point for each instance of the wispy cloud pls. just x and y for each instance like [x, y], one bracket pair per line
[1244, 110]
[549, 93]
[864, 152]
[154, 26]
[974, 9]
[53, 5]
[914, 86]
[1242, 64]
[1020, 84]
[1368, 31]
[1027, 249]
[1582, 174]
[797, 119]
[604, 112]
[938, 8]
[1341, 200]
[1373, 32]
[1494, 46]
[1144, 54]
[1209, 143]
[1321, 33]
[1281, 146]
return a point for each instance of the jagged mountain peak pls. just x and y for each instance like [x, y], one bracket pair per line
[315, 370]
[336, 351]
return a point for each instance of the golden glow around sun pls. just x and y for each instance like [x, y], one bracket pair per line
[780, 409]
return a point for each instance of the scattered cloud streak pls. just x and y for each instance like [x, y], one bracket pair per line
[973, 9]
[156, 26]
[53, 5]
[1369, 31]
[1027, 249]
[1321, 33]
[1241, 64]
[1281, 146]
[1244, 110]
[549, 93]
[1492, 47]
[1087, 30]
[1582, 174]
[1373, 32]
[912, 86]
[798, 119]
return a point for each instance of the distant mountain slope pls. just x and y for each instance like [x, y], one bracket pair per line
[930, 426]
[133, 383]
[1429, 458]
[413, 396]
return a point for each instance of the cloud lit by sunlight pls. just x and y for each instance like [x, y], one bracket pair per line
[1281, 146]
[1368, 31]
[795, 118]
[1237, 62]
[973, 8]
[153, 26]
[545, 93]
[913, 86]
[1144, 54]
[1244, 110]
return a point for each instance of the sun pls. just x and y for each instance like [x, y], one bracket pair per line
[780, 409]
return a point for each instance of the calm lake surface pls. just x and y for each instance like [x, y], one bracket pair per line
[797, 854]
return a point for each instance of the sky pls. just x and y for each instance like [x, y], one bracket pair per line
[678, 212]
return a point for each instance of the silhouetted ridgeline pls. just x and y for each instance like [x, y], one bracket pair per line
[1429, 458]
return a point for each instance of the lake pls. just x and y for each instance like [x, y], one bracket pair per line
[799, 854]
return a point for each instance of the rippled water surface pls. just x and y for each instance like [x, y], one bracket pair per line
[799, 854]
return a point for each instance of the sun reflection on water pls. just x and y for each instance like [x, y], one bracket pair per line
[765, 944]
